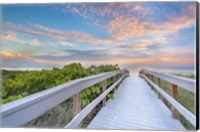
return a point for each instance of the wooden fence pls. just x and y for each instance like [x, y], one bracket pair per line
[182, 82]
[21, 111]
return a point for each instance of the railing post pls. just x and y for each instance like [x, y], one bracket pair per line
[114, 79]
[104, 89]
[76, 104]
[174, 95]
[127, 74]
[148, 76]
[159, 86]
[151, 77]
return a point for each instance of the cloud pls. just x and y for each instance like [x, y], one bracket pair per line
[92, 55]
[133, 36]
[136, 61]
[39, 30]
[23, 62]
[121, 57]
[186, 19]
[145, 45]
[122, 21]
[123, 27]
[61, 36]
[156, 60]
[128, 21]
[175, 68]
[66, 35]
[174, 51]
[96, 57]
[106, 11]
[21, 28]
[8, 55]
[35, 42]
[12, 37]
[137, 53]
[67, 44]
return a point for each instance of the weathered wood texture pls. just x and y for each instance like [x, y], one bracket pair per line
[159, 86]
[76, 104]
[104, 89]
[174, 96]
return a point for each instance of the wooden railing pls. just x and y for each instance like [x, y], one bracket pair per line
[182, 82]
[21, 111]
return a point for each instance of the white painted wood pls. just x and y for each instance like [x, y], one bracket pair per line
[186, 83]
[135, 107]
[21, 111]
[187, 114]
[80, 116]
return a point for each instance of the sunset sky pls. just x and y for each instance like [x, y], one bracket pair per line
[156, 35]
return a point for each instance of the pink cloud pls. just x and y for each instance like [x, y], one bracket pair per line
[35, 42]
[60, 35]
[108, 11]
[119, 27]
[10, 55]
[187, 19]
[123, 28]
[11, 36]
[40, 30]
[14, 38]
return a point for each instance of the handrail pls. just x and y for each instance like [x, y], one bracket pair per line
[80, 116]
[186, 83]
[171, 99]
[21, 111]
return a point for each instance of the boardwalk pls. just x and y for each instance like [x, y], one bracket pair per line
[137, 107]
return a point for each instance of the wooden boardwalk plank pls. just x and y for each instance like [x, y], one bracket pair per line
[135, 107]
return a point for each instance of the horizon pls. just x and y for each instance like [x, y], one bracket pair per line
[131, 71]
[134, 35]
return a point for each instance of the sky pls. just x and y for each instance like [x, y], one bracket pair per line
[134, 35]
